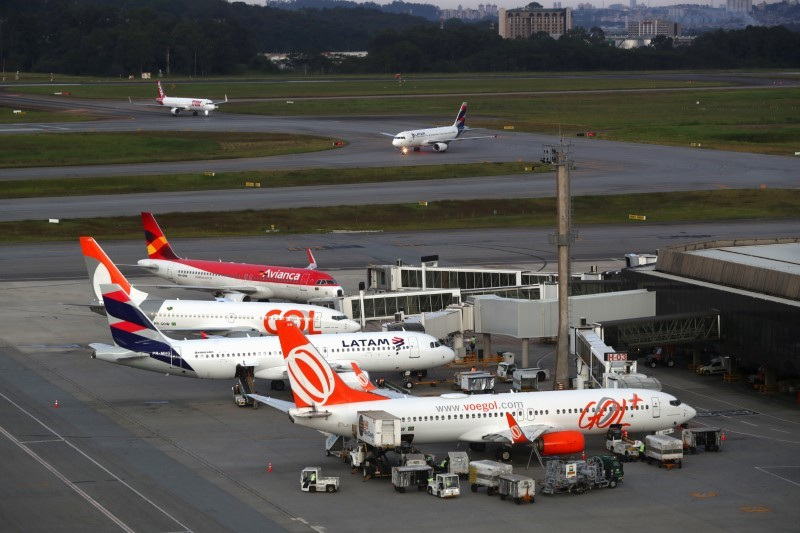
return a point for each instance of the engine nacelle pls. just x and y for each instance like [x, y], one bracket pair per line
[560, 443]
[440, 147]
[175, 111]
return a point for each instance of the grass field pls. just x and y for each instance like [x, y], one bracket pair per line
[657, 208]
[58, 149]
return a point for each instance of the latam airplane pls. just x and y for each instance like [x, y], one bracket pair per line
[139, 343]
[437, 138]
[208, 316]
[235, 281]
[176, 105]
[555, 421]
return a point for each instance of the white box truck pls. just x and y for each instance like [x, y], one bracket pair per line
[665, 450]
[378, 428]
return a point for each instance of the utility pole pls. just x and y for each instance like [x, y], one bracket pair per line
[558, 156]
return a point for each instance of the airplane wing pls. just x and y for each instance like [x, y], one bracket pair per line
[147, 104]
[244, 289]
[388, 134]
[221, 101]
[447, 141]
[531, 431]
[108, 352]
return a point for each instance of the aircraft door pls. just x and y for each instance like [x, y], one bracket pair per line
[171, 272]
[413, 346]
[175, 358]
[303, 286]
[656, 408]
[530, 414]
[231, 318]
[317, 321]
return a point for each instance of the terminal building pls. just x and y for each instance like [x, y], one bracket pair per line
[524, 22]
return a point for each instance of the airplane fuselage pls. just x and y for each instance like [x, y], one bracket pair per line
[210, 316]
[218, 358]
[258, 281]
[469, 418]
[425, 137]
[188, 104]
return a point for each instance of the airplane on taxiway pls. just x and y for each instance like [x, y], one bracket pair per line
[437, 138]
[211, 316]
[140, 344]
[554, 421]
[176, 105]
[235, 281]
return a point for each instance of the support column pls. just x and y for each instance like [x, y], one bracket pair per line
[524, 360]
[487, 345]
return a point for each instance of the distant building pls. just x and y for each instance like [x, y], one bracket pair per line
[651, 28]
[738, 6]
[527, 21]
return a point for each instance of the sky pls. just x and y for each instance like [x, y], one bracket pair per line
[513, 4]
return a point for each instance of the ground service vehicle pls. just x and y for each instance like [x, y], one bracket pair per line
[311, 480]
[666, 450]
[718, 365]
[709, 438]
[519, 488]
[411, 476]
[577, 477]
[458, 463]
[526, 379]
[486, 473]
[620, 445]
[612, 468]
[444, 486]
[474, 382]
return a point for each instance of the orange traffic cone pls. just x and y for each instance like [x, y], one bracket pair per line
[269, 467]
[55, 404]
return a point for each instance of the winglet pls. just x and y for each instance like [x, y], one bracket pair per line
[157, 245]
[362, 377]
[517, 435]
[102, 270]
[312, 263]
[313, 381]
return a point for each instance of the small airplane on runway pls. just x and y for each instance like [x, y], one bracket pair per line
[235, 281]
[555, 421]
[140, 344]
[176, 105]
[437, 138]
[221, 317]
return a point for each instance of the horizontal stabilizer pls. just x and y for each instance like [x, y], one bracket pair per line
[280, 405]
[106, 352]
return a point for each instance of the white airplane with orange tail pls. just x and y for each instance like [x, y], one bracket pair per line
[211, 316]
[176, 105]
[554, 421]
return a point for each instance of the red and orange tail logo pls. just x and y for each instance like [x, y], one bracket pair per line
[517, 436]
[361, 376]
[100, 265]
[313, 381]
[157, 245]
[160, 91]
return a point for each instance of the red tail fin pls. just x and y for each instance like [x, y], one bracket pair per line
[313, 381]
[161, 94]
[95, 257]
[157, 245]
[362, 378]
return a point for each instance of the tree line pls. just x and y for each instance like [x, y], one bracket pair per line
[212, 37]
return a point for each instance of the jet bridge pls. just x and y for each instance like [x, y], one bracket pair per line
[601, 366]
[664, 330]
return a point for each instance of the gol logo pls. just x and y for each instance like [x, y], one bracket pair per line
[516, 434]
[312, 379]
[362, 379]
[609, 411]
[305, 324]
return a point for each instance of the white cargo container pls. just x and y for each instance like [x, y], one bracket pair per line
[518, 488]
[378, 428]
[666, 450]
[411, 476]
[474, 382]
[458, 463]
[486, 474]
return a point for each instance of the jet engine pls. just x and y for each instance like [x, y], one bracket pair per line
[175, 111]
[440, 147]
[560, 443]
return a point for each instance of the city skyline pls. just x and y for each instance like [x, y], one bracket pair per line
[514, 4]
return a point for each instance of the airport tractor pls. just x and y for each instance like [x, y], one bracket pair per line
[618, 443]
[311, 480]
[444, 486]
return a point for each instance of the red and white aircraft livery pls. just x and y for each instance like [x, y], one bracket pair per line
[176, 105]
[235, 281]
[555, 421]
[140, 344]
[208, 316]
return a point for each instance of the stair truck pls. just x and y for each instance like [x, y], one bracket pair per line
[518, 488]
[486, 473]
[311, 480]
[665, 450]
[445, 486]
[708, 438]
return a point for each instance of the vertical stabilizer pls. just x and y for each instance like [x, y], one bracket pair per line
[461, 118]
[102, 270]
[157, 245]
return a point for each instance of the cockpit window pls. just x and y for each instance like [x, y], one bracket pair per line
[675, 402]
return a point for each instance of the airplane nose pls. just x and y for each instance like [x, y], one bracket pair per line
[691, 412]
[450, 355]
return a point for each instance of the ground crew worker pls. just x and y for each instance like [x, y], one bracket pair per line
[641, 451]
[472, 344]
[443, 464]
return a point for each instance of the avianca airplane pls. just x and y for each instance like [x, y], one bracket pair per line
[176, 105]
[139, 344]
[555, 421]
[208, 316]
[437, 138]
[235, 281]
